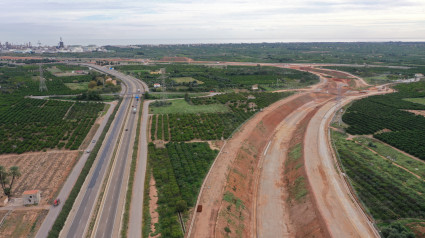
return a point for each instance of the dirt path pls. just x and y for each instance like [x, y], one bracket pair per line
[153, 195]
[272, 216]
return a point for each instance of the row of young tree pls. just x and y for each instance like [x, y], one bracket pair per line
[388, 192]
[387, 118]
[178, 171]
[34, 125]
[203, 126]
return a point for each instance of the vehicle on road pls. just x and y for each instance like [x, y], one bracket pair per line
[93, 141]
[134, 110]
[87, 151]
[56, 202]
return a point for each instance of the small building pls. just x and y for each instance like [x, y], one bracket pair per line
[111, 81]
[419, 76]
[156, 85]
[31, 197]
[3, 200]
[255, 87]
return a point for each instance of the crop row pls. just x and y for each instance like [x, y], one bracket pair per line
[388, 192]
[385, 117]
[204, 126]
[34, 125]
[179, 170]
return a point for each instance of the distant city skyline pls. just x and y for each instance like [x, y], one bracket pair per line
[113, 22]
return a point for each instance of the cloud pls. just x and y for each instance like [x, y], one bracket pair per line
[87, 21]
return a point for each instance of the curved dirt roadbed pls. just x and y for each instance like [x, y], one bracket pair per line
[211, 196]
[342, 214]
[272, 208]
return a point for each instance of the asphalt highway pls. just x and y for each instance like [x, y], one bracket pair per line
[81, 216]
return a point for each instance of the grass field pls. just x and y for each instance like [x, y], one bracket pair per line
[186, 80]
[181, 106]
[78, 86]
[416, 100]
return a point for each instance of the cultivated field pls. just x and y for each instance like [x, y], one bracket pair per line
[45, 171]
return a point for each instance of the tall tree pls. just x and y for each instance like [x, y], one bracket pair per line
[5, 180]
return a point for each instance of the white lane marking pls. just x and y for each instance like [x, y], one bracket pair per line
[267, 148]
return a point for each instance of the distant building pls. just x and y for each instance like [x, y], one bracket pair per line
[61, 44]
[156, 85]
[255, 87]
[31, 197]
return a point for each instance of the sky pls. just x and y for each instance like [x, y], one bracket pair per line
[115, 22]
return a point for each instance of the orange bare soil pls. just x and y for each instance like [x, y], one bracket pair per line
[153, 206]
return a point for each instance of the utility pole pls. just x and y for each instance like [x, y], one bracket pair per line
[163, 95]
[43, 86]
